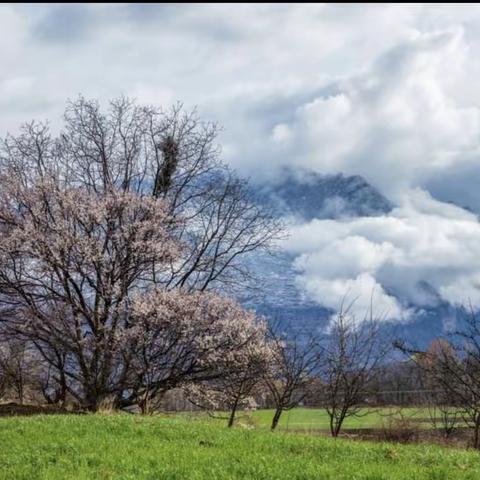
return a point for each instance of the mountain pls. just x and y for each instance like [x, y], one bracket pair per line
[310, 196]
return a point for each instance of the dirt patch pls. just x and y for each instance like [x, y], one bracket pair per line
[15, 409]
[460, 438]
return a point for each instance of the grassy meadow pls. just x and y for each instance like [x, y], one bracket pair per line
[317, 419]
[123, 446]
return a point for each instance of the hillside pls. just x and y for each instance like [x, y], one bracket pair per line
[131, 447]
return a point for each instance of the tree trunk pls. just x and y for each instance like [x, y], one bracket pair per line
[144, 405]
[99, 401]
[276, 418]
[335, 425]
[338, 425]
[232, 413]
[62, 395]
[476, 434]
[20, 393]
[332, 426]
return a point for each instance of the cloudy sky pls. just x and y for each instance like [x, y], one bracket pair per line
[387, 92]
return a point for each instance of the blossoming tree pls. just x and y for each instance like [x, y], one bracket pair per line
[111, 236]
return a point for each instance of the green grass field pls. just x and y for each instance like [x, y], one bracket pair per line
[123, 446]
[317, 419]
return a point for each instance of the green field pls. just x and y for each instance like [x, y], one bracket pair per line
[317, 419]
[123, 446]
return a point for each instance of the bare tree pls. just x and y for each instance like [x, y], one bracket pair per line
[54, 390]
[399, 382]
[442, 405]
[453, 365]
[167, 154]
[20, 369]
[352, 353]
[296, 360]
[444, 414]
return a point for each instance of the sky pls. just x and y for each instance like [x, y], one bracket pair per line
[389, 92]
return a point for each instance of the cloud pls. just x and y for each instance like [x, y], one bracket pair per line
[63, 23]
[363, 293]
[247, 67]
[385, 91]
[398, 124]
[424, 252]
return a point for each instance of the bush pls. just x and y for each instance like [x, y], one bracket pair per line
[399, 429]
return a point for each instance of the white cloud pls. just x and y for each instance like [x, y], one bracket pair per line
[421, 253]
[399, 123]
[250, 67]
[363, 296]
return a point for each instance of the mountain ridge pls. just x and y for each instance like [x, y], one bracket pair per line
[307, 196]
